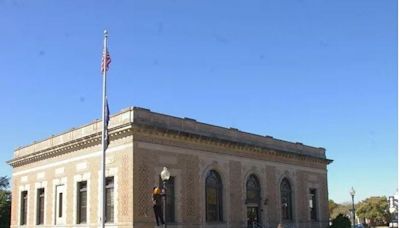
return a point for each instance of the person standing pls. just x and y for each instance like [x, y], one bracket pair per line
[157, 205]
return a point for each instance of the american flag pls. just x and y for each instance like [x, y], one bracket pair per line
[107, 61]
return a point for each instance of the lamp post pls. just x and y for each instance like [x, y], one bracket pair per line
[165, 175]
[352, 193]
[392, 209]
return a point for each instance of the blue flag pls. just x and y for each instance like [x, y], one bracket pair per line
[106, 120]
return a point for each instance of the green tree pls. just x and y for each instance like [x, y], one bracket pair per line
[332, 207]
[5, 202]
[335, 209]
[341, 221]
[376, 209]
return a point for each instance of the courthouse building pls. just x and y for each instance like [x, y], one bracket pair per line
[220, 177]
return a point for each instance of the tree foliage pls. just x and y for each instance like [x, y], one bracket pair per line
[5, 202]
[335, 209]
[332, 206]
[341, 221]
[375, 209]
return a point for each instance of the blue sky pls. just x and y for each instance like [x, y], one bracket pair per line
[319, 72]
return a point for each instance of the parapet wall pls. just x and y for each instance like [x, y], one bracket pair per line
[191, 126]
[91, 129]
[147, 118]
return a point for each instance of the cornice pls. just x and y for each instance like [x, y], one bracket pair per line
[70, 146]
[152, 132]
[219, 144]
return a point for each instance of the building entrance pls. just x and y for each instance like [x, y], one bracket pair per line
[252, 217]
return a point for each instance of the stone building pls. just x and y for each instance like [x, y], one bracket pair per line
[220, 177]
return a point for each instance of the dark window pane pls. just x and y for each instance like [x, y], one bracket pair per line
[213, 197]
[286, 200]
[313, 204]
[40, 206]
[82, 202]
[252, 190]
[212, 212]
[24, 207]
[109, 199]
[60, 204]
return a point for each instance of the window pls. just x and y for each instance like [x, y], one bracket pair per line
[286, 200]
[170, 212]
[59, 208]
[313, 204]
[40, 207]
[60, 204]
[109, 200]
[213, 197]
[252, 190]
[24, 207]
[82, 202]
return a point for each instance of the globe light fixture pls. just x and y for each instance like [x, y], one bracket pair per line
[165, 175]
[352, 192]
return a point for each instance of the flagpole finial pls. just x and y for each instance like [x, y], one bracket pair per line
[105, 33]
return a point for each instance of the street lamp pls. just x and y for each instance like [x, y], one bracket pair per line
[352, 193]
[165, 175]
[392, 209]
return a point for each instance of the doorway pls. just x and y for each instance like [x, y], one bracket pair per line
[252, 217]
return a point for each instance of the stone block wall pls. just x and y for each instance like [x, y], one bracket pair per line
[189, 165]
[68, 169]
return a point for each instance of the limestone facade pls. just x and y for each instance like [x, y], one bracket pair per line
[142, 143]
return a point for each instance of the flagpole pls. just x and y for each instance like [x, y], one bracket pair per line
[103, 143]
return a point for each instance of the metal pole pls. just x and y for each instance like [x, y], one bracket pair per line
[103, 143]
[165, 204]
[354, 212]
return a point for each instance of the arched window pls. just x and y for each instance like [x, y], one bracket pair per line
[252, 190]
[286, 199]
[213, 197]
